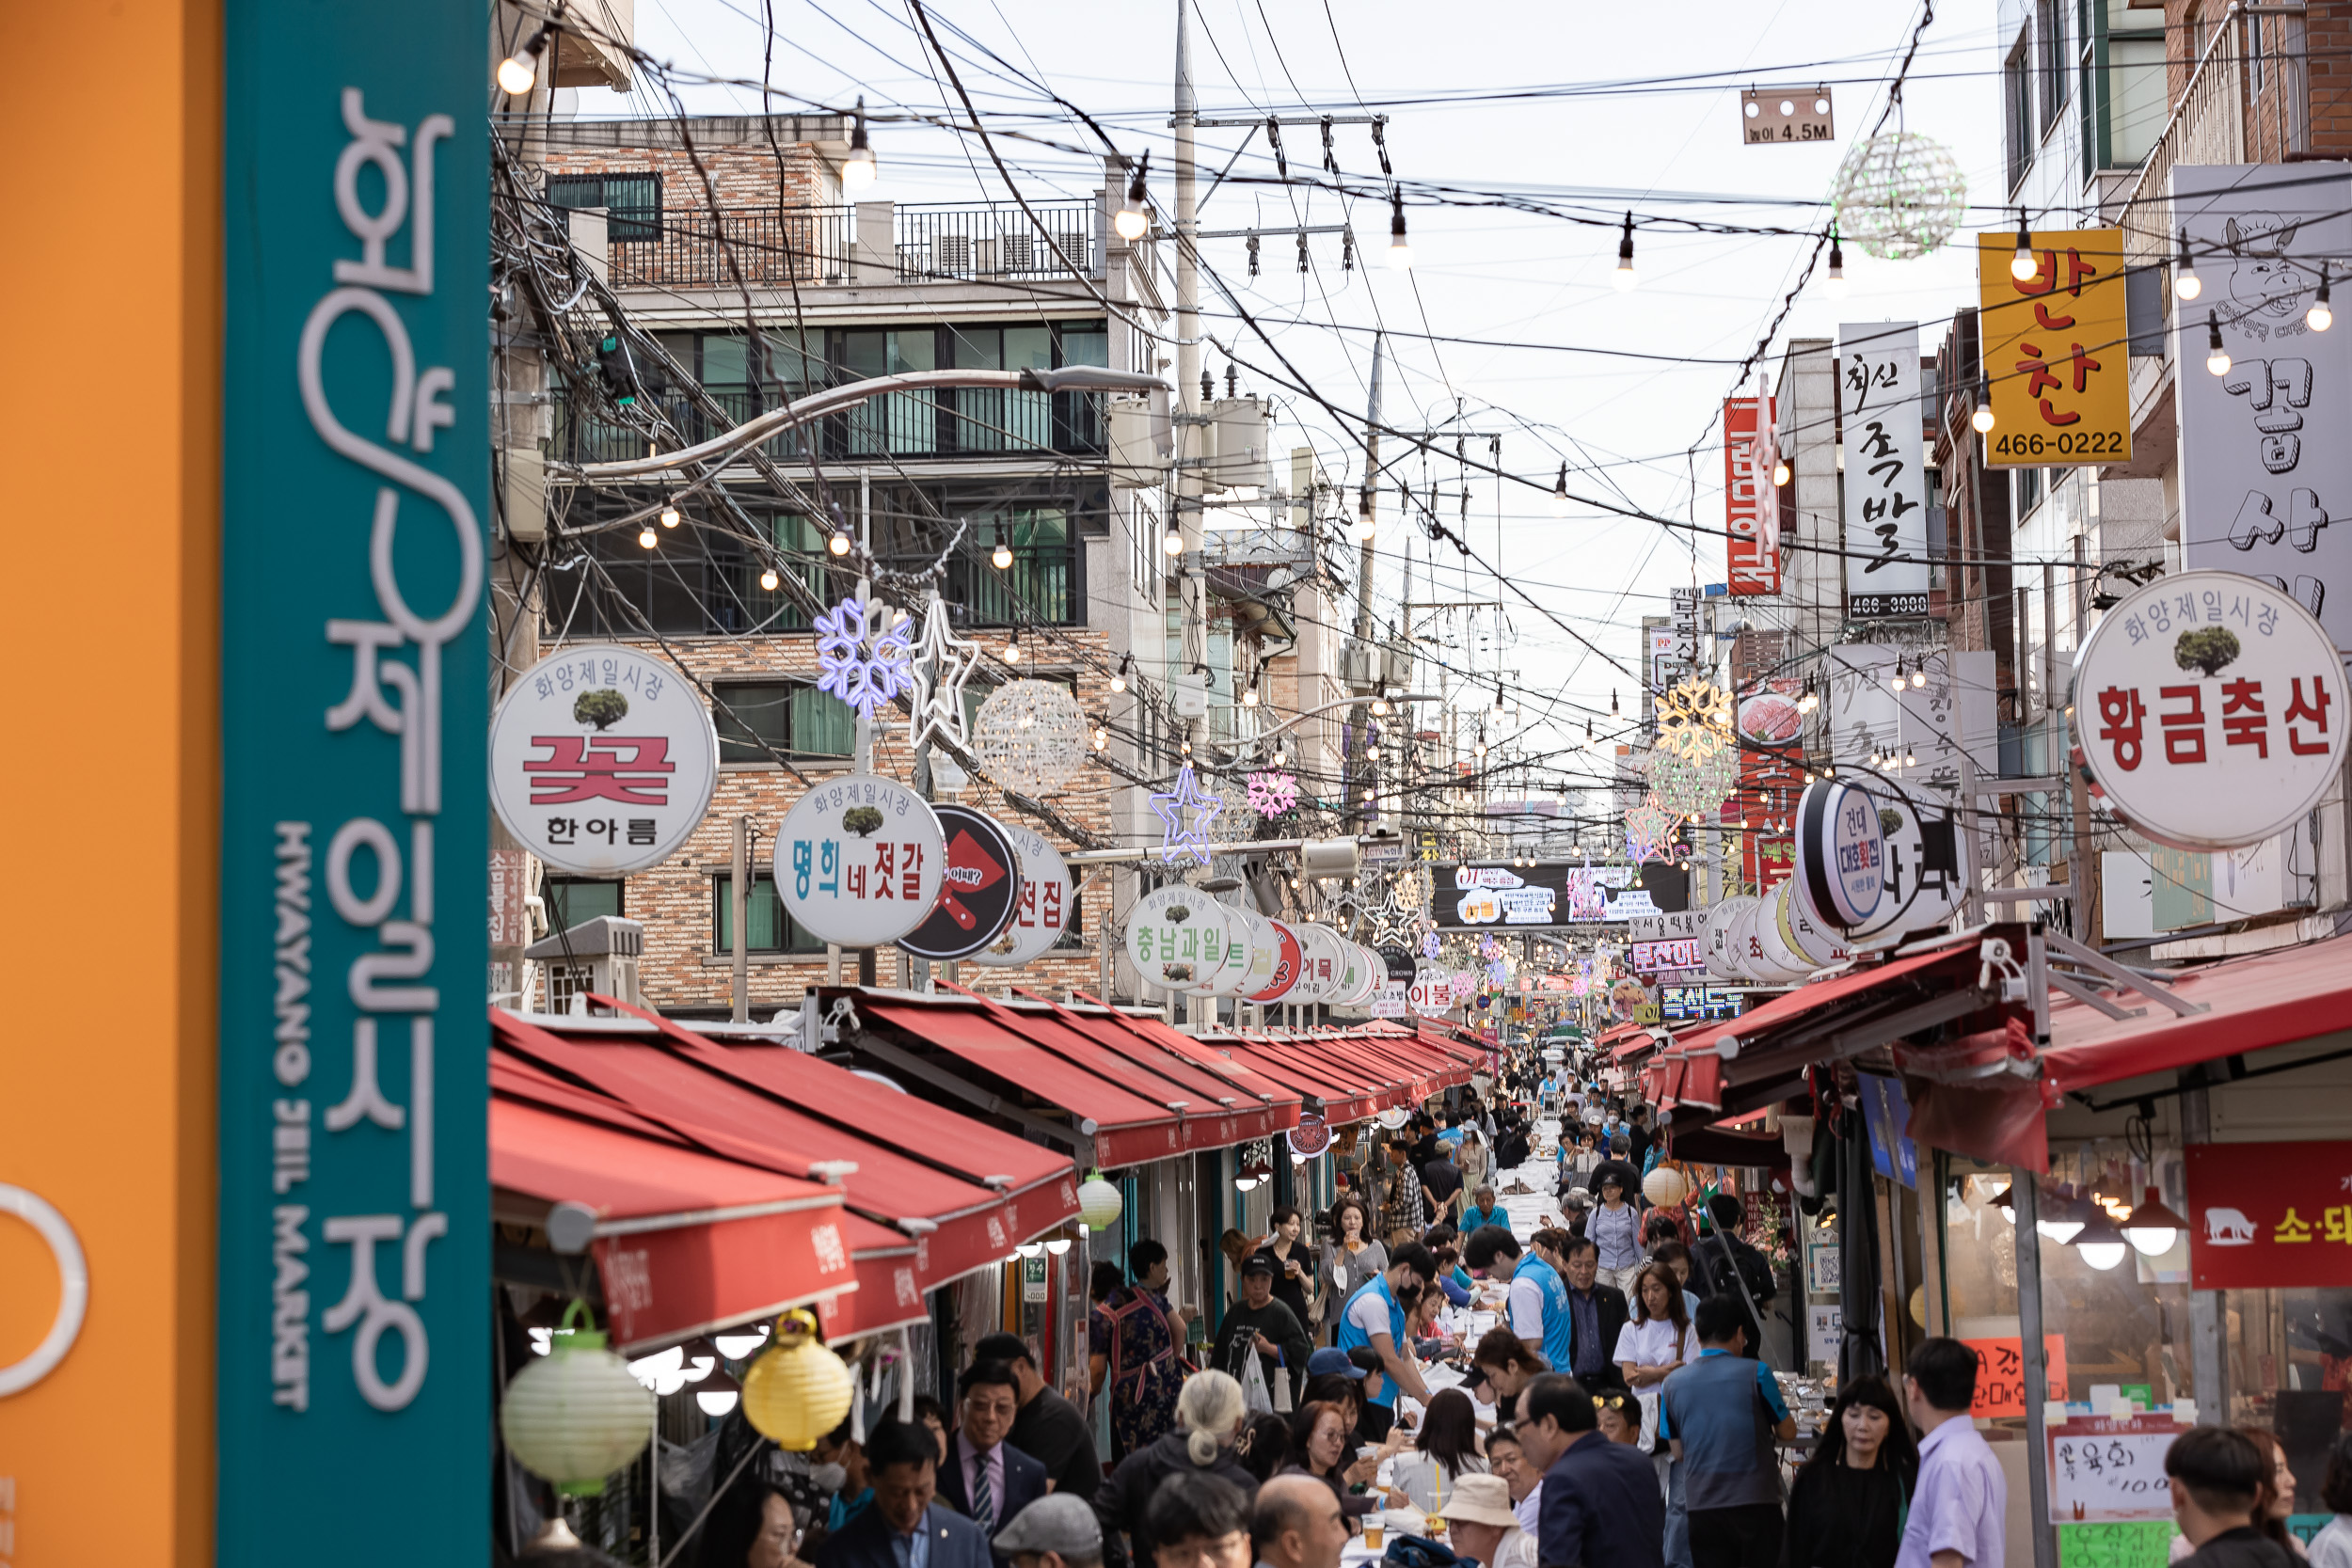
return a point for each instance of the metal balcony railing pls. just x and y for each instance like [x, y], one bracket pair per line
[996, 240]
[2249, 100]
[806, 244]
[909, 426]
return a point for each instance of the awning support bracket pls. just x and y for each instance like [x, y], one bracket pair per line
[2116, 975]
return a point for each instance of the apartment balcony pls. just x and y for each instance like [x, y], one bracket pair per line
[766, 248]
[902, 427]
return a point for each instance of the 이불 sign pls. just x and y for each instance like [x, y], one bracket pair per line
[2265, 480]
[2057, 361]
[2211, 709]
[602, 760]
[860, 861]
[1751, 507]
[2001, 1373]
[2269, 1216]
[1886, 476]
[354, 1190]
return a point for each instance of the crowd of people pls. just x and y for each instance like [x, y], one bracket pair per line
[1617, 1415]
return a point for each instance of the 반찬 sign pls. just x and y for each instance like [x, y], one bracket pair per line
[2210, 708]
[2269, 1216]
[2055, 347]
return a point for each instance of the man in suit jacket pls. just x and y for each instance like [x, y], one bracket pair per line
[1597, 1314]
[1049, 1427]
[1601, 1506]
[985, 1479]
[905, 1528]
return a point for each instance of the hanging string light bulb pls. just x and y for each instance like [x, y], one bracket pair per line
[1625, 278]
[859, 170]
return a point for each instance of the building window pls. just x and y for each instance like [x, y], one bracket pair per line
[763, 718]
[767, 926]
[2050, 41]
[631, 202]
[571, 901]
[2017, 112]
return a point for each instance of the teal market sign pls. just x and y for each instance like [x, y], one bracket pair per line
[353, 1222]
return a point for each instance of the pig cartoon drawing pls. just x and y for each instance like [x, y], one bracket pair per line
[2263, 282]
[2228, 1227]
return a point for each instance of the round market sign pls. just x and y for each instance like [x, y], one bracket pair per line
[1311, 1137]
[1174, 935]
[860, 861]
[979, 891]
[1841, 851]
[1289, 955]
[602, 760]
[1431, 992]
[2210, 708]
[1723, 947]
[1044, 913]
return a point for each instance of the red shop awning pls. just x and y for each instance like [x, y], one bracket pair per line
[960, 1192]
[1349, 1093]
[684, 1241]
[2251, 1003]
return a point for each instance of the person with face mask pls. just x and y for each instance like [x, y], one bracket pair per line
[837, 1465]
[1376, 1318]
[985, 1479]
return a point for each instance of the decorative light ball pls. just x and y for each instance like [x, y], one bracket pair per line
[797, 1390]
[1694, 785]
[575, 1415]
[1030, 736]
[1099, 1202]
[1664, 1187]
[1898, 197]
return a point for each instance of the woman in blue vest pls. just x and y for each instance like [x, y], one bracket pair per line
[1374, 1317]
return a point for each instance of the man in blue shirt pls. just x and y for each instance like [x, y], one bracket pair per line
[1722, 1414]
[1483, 1211]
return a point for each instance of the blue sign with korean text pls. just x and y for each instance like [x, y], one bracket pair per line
[354, 1225]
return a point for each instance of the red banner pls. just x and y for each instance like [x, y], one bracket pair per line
[2269, 1216]
[1751, 511]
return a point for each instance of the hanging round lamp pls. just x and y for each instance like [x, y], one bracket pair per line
[575, 1415]
[799, 1390]
[1099, 1202]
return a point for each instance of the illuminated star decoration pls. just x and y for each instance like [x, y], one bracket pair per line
[1647, 826]
[1273, 792]
[1187, 813]
[943, 662]
[862, 658]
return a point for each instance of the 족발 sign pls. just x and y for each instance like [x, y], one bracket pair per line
[602, 760]
[1886, 476]
[2269, 1216]
[2057, 356]
[1772, 116]
[2210, 708]
[1751, 506]
[860, 859]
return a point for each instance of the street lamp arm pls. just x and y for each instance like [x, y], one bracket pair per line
[1070, 378]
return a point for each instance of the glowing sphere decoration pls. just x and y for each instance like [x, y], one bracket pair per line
[1030, 736]
[1665, 1186]
[1695, 783]
[1898, 197]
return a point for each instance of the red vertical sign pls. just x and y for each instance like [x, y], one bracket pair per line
[2269, 1216]
[1751, 511]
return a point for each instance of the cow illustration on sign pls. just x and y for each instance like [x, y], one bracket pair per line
[2228, 1227]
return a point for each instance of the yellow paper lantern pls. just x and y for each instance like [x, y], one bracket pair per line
[1664, 1186]
[799, 1390]
[575, 1415]
[1099, 1203]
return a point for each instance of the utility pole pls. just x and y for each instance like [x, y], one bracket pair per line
[1191, 430]
[1361, 762]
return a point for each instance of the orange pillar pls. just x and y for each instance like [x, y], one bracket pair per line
[109, 377]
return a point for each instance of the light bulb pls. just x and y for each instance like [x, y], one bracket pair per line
[768, 580]
[1400, 253]
[1379, 707]
[669, 517]
[1119, 677]
[1001, 557]
[735, 1347]
[2023, 266]
[1102, 738]
[2101, 1255]
[858, 170]
[1173, 542]
[2186, 283]
[1560, 493]
[1132, 221]
[2216, 357]
[1835, 286]
[646, 538]
[1057, 1245]
[2319, 318]
[1249, 697]
[716, 1402]
[839, 542]
[1780, 474]
[1624, 277]
[1982, 419]
[1012, 650]
[1918, 675]
[517, 73]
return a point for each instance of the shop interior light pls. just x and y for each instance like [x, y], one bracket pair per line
[2098, 1243]
[2022, 267]
[1057, 1243]
[1029, 1249]
[741, 1342]
[718, 1394]
[1625, 276]
[2216, 357]
[1134, 220]
[1400, 252]
[2151, 1227]
[2319, 318]
[701, 1359]
[858, 170]
[2063, 1217]
[2186, 283]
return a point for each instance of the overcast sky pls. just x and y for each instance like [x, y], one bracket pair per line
[1667, 148]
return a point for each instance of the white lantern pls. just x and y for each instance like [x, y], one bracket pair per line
[1899, 196]
[1664, 1186]
[1099, 1203]
[575, 1415]
[1030, 736]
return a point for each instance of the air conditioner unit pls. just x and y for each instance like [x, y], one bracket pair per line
[1079, 247]
[1016, 253]
[951, 254]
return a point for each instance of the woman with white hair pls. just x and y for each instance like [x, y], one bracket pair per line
[1210, 1415]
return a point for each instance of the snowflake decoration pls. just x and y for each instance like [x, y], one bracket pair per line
[1647, 826]
[1430, 944]
[1898, 197]
[865, 660]
[1693, 718]
[1695, 787]
[1030, 736]
[1187, 813]
[943, 662]
[1273, 792]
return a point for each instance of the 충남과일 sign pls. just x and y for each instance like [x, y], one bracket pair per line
[2209, 707]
